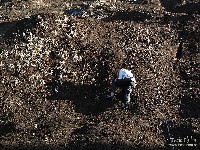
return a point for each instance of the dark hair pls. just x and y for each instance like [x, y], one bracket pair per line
[123, 65]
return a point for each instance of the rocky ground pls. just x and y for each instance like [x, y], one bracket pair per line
[59, 57]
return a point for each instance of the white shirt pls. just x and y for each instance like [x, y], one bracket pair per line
[124, 73]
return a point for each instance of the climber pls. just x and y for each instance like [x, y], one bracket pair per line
[125, 81]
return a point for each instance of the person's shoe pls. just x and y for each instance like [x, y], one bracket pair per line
[109, 98]
[124, 106]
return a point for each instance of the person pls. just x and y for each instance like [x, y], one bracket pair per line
[126, 82]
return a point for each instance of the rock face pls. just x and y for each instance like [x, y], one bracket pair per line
[59, 59]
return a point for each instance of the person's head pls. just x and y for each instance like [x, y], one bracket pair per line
[123, 65]
[116, 70]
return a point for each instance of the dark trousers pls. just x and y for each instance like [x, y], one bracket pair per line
[126, 87]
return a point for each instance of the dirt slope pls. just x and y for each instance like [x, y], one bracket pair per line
[58, 59]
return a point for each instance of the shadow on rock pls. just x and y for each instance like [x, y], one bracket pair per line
[190, 105]
[7, 128]
[14, 29]
[129, 16]
[88, 99]
[138, 1]
[176, 6]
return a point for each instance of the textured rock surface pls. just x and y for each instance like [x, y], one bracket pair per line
[58, 59]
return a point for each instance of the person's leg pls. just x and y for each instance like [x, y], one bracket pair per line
[127, 96]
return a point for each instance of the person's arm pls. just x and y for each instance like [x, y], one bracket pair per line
[134, 82]
[121, 74]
